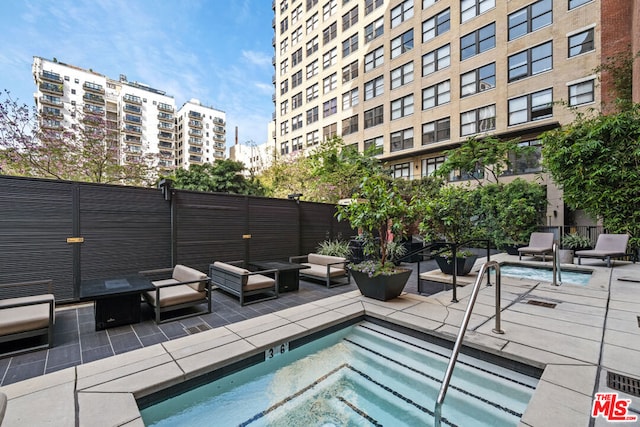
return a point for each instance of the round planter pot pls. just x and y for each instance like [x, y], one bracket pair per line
[381, 287]
[465, 264]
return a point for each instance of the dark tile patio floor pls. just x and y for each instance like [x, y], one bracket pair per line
[76, 341]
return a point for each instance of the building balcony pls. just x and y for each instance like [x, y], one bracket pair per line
[195, 159]
[93, 109]
[133, 99]
[132, 129]
[50, 77]
[166, 126]
[51, 100]
[51, 113]
[273, 78]
[218, 121]
[92, 87]
[132, 119]
[135, 149]
[165, 136]
[51, 124]
[133, 109]
[51, 88]
[218, 137]
[219, 129]
[195, 115]
[166, 164]
[165, 117]
[218, 154]
[131, 139]
[165, 144]
[195, 132]
[132, 158]
[165, 107]
[95, 99]
[166, 155]
[195, 124]
[195, 150]
[195, 141]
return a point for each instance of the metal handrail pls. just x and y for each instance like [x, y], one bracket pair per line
[556, 266]
[437, 413]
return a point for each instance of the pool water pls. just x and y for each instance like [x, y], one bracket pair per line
[362, 375]
[545, 274]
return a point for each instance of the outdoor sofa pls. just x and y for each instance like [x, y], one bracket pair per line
[30, 315]
[539, 244]
[330, 269]
[607, 246]
[233, 278]
[184, 288]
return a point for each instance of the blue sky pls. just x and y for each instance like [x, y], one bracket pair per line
[217, 51]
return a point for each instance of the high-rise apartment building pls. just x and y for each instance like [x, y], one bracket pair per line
[413, 78]
[201, 134]
[143, 119]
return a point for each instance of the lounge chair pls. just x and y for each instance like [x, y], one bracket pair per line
[607, 246]
[539, 244]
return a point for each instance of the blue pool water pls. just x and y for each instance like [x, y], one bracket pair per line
[545, 274]
[365, 374]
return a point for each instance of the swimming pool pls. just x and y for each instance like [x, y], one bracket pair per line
[365, 374]
[545, 274]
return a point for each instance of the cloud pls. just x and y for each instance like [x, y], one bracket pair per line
[257, 58]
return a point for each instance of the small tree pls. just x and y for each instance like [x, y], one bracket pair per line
[223, 176]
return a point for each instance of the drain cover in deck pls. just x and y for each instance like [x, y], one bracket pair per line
[197, 328]
[623, 383]
[541, 303]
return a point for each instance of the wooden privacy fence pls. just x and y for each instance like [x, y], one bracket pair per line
[71, 231]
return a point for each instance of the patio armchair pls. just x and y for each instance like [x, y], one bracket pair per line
[233, 278]
[29, 315]
[184, 289]
[539, 244]
[330, 269]
[607, 246]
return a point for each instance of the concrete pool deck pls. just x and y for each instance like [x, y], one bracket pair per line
[590, 330]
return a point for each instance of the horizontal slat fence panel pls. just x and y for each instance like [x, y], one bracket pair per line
[274, 229]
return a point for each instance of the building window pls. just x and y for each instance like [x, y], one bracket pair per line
[402, 170]
[350, 72]
[531, 62]
[296, 122]
[330, 33]
[479, 120]
[478, 80]
[374, 146]
[373, 117]
[402, 140]
[329, 131]
[436, 60]
[350, 45]
[371, 5]
[431, 165]
[329, 9]
[296, 79]
[329, 83]
[284, 107]
[436, 25]
[374, 88]
[427, 3]
[478, 41]
[401, 13]
[296, 14]
[529, 162]
[312, 46]
[296, 144]
[350, 99]
[312, 92]
[284, 25]
[374, 30]
[581, 93]
[402, 107]
[374, 59]
[437, 94]
[350, 125]
[284, 5]
[312, 115]
[473, 8]
[312, 69]
[530, 18]
[296, 36]
[284, 147]
[311, 3]
[581, 43]
[436, 131]
[402, 44]
[313, 138]
[531, 107]
[296, 101]
[402, 75]
[330, 58]
[284, 127]
[350, 18]
[575, 3]
[284, 67]
[330, 107]
[312, 23]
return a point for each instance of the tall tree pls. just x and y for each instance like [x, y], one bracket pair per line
[223, 176]
[39, 144]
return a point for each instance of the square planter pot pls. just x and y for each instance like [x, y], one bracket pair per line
[465, 264]
[381, 287]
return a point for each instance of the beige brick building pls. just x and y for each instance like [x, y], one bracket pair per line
[417, 77]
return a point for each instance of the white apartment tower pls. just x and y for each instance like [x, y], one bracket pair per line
[413, 78]
[201, 134]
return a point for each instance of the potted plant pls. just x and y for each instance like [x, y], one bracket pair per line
[571, 243]
[334, 247]
[450, 217]
[378, 211]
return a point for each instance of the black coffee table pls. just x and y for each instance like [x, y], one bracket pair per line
[116, 299]
[288, 273]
